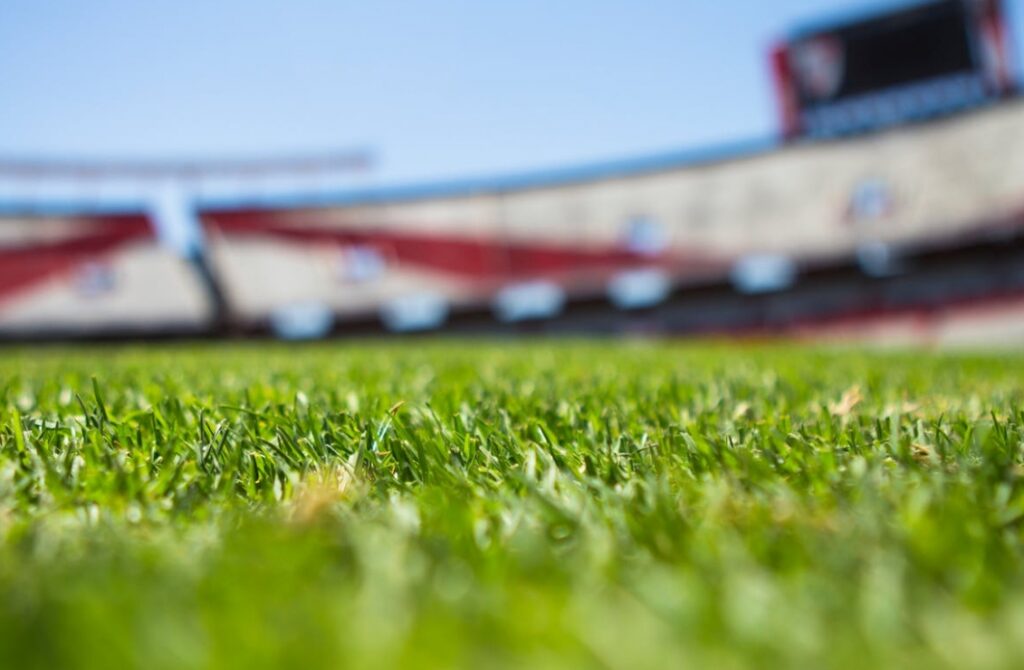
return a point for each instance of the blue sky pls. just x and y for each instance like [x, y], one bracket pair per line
[434, 88]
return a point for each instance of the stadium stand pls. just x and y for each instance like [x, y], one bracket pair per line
[74, 274]
[891, 208]
[947, 184]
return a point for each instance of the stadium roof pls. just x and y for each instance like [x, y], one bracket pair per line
[30, 168]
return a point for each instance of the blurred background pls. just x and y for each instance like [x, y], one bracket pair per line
[799, 168]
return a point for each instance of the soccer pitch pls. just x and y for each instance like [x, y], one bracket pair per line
[558, 504]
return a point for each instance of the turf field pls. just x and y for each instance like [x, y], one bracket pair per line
[510, 505]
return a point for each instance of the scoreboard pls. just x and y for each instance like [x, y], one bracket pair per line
[912, 63]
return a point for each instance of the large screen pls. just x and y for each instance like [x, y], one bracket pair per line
[910, 46]
[910, 63]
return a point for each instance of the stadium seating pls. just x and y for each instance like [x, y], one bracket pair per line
[93, 274]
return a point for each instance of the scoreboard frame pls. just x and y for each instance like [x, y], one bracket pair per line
[813, 69]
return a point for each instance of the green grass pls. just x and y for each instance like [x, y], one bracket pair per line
[510, 505]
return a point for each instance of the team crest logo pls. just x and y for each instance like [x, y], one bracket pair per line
[871, 200]
[93, 279]
[645, 236]
[819, 64]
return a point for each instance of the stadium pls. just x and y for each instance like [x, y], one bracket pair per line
[266, 412]
[853, 224]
